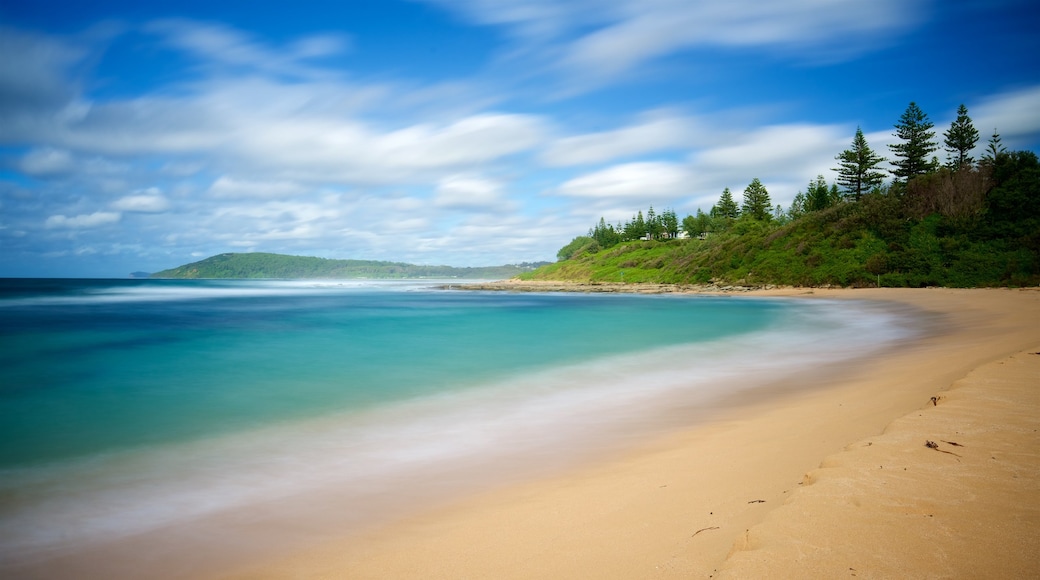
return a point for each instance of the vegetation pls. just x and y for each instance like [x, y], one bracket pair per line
[912, 153]
[961, 139]
[261, 265]
[960, 225]
[857, 167]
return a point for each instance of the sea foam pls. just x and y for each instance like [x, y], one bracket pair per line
[513, 427]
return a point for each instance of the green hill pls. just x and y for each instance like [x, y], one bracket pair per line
[262, 265]
[931, 232]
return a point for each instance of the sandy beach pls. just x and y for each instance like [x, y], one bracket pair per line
[923, 463]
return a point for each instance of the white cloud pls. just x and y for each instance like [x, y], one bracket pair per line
[794, 149]
[150, 200]
[47, 161]
[1015, 115]
[468, 192]
[533, 19]
[96, 219]
[655, 132]
[598, 41]
[638, 181]
[226, 186]
[216, 43]
[652, 30]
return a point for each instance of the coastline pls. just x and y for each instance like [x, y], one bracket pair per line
[732, 494]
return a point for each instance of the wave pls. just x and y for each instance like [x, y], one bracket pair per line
[72, 292]
[460, 439]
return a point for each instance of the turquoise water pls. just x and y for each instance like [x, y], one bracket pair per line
[129, 406]
[91, 366]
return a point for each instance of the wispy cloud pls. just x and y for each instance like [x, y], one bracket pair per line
[653, 132]
[469, 192]
[1015, 115]
[592, 42]
[93, 220]
[219, 45]
[634, 182]
[150, 200]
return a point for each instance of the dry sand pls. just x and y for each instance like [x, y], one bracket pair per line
[834, 482]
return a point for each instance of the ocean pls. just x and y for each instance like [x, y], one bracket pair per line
[180, 425]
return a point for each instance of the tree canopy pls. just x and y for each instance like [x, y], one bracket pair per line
[913, 130]
[857, 167]
[756, 201]
[960, 140]
[726, 207]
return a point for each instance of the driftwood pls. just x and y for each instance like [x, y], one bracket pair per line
[704, 530]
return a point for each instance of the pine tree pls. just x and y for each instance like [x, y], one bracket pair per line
[818, 196]
[638, 226]
[670, 223]
[797, 208]
[993, 150]
[912, 154]
[961, 139]
[653, 224]
[756, 201]
[726, 208]
[856, 170]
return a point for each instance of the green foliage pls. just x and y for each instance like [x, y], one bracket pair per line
[883, 238]
[605, 234]
[1013, 205]
[993, 150]
[726, 208]
[756, 201]
[636, 228]
[670, 223]
[818, 196]
[264, 265]
[857, 172]
[579, 245]
[960, 225]
[960, 139]
[697, 225]
[913, 130]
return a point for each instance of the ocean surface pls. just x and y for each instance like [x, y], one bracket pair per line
[172, 415]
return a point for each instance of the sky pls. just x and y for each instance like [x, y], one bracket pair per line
[139, 136]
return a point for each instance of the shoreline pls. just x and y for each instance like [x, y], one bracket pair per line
[691, 503]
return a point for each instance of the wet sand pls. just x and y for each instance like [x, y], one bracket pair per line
[811, 484]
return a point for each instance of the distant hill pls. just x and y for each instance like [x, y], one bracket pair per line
[263, 265]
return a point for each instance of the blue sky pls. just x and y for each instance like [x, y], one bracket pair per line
[144, 135]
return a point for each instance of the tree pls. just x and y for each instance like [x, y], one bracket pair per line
[697, 225]
[653, 225]
[636, 228]
[670, 223]
[856, 167]
[819, 196]
[912, 154]
[993, 150]
[961, 139]
[605, 234]
[797, 208]
[756, 201]
[726, 208]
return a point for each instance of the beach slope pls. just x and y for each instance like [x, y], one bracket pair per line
[830, 481]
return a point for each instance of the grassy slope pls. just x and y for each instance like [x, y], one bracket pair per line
[847, 245]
